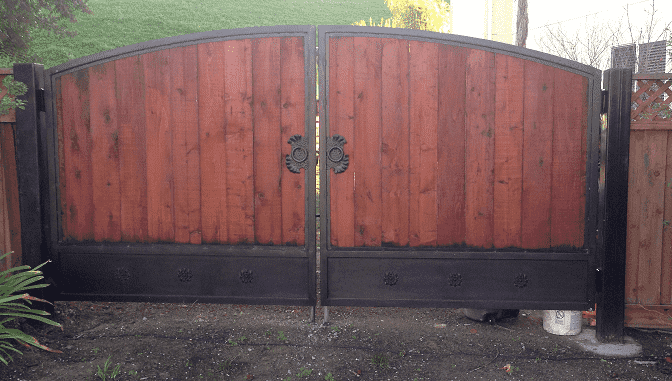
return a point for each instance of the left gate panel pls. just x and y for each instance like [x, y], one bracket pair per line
[171, 170]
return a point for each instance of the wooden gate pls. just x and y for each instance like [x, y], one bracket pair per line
[168, 165]
[458, 172]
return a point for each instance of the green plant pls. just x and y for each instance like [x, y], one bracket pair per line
[380, 360]
[281, 336]
[304, 372]
[13, 286]
[9, 101]
[430, 15]
[329, 377]
[103, 372]
[132, 372]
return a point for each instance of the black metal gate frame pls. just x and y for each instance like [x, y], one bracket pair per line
[37, 178]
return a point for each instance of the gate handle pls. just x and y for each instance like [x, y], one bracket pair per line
[299, 157]
[336, 157]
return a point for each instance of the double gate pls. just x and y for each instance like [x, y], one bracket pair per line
[453, 172]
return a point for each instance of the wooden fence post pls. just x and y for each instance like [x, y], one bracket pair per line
[612, 223]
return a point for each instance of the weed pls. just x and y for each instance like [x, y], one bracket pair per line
[226, 364]
[232, 342]
[132, 372]
[380, 360]
[103, 373]
[289, 378]
[335, 328]
[96, 350]
[537, 360]
[281, 336]
[354, 337]
[329, 377]
[242, 338]
[402, 353]
[304, 372]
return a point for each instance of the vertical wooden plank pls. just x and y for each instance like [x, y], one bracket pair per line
[239, 143]
[537, 155]
[341, 122]
[160, 185]
[636, 184]
[451, 145]
[186, 149]
[395, 143]
[368, 227]
[61, 136]
[569, 165]
[5, 246]
[293, 122]
[423, 84]
[132, 149]
[480, 148]
[11, 195]
[105, 153]
[651, 207]
[666, 257]
[267, 140]
[77, 154]
[212, 131]
[508, 184]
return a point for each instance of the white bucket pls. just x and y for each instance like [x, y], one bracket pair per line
[563, 323]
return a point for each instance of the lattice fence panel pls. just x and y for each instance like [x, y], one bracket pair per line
[651, 100]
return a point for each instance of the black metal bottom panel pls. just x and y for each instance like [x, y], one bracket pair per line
[101, 272]
[475, 280]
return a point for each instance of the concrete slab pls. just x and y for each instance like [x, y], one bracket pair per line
[588, 341]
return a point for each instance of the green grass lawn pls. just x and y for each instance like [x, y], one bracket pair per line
[117, 23]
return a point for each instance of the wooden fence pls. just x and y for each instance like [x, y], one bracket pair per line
[10, 226]
[649, 242]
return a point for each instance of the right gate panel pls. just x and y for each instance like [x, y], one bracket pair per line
[470, 172]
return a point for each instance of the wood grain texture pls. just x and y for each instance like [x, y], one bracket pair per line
[538, 155]
[292, 115]
[451, 145]
[341, 122]
[367, 135]
[480, 148]
[132, 149]
[77, 147]
[666, 256]
[238, 141]
[212, 93]
[395, 143]
[185, 140]
[508, 179]
[569, 164]
[105, 153]
[267, 141]
[423, 84]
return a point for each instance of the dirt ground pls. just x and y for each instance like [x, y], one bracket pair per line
[154, 341]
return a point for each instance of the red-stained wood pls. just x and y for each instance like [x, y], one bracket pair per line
[666, 255]
[537, 155]
[395, 143]
[132, 149]
[105, 153]
[212, 131]
[11, 195]
[367, 134]
[78, 208]
[636, 184]
[423, 85]
[239, 142]
[293, 122]
[268, 166]
[508, 180]
[480, 148]
[569, 164]
[160, 177]
[341, 122]
[186, 149]
[451, 145]
[61, 136]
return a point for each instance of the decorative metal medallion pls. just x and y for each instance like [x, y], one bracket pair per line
[520, 281]
[391, 278]
[122, 274]
[299, 157]
[336, 157]
[455, 280]
[184, 275]
[246, 276]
